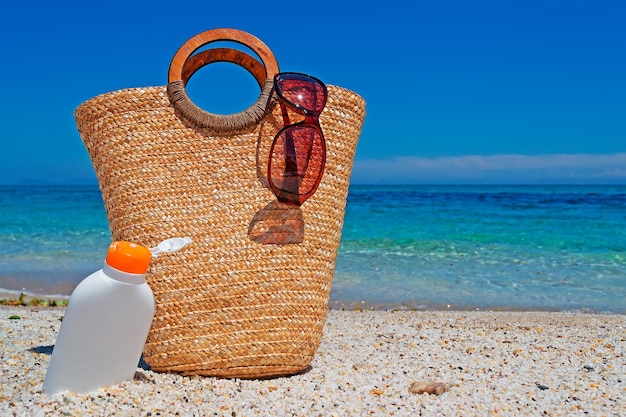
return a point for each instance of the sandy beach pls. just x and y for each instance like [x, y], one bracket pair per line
[494, 363]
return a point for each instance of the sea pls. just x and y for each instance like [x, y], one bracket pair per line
[461, 247]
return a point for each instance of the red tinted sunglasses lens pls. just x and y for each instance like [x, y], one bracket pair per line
[296, 163]
[302, 91]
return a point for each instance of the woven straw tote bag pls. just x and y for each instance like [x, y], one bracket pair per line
[234, 303]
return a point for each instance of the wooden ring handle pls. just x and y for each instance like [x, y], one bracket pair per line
[223, 34]
[199, 60]
[183, 65]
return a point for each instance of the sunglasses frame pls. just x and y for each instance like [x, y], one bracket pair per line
[311, 120]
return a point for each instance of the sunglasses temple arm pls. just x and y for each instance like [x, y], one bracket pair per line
[283, 109]
[291, 178]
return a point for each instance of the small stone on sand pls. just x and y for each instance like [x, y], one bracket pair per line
[428, 387]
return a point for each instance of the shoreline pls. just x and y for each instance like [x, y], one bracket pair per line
[425, 306]
[8, 297]
[495, 363]
[11, 297]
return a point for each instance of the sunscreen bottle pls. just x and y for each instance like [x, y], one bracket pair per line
[106, 322]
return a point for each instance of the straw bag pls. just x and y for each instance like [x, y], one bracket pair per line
[246, 299]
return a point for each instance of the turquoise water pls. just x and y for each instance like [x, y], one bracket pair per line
[510, 247]
[522, 247]
[51, 237]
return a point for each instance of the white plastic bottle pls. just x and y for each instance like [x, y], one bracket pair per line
[105, 325]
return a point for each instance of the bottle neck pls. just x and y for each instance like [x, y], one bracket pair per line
[121, 276]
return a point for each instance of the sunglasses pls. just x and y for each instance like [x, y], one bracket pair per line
[298, 153]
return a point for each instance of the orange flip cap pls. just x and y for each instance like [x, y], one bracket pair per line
[129, 257]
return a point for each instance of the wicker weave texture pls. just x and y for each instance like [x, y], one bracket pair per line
[225, 305]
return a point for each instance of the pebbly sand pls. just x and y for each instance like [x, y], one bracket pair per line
[495, 363]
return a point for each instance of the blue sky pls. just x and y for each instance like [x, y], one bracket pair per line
[488, 91]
